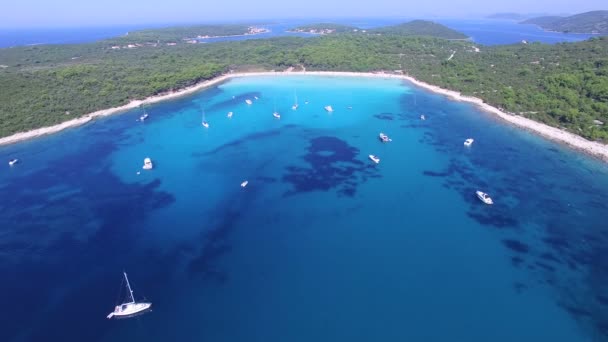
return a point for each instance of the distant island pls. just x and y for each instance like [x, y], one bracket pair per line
[324, 28]
[179, 35]
[563, 85]
[594, 22]
[507, 16]
[421, 28]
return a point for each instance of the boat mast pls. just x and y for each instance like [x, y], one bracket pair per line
[129, 288]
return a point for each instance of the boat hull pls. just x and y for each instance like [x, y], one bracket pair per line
[130, 310]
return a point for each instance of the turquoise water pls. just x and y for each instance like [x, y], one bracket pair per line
[322, 245]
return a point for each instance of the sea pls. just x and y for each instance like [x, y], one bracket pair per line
[322, 244]
[482, 31]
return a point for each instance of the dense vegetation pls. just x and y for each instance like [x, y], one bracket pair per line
[421, 28]
[177, 34]
[564, 85]
[588, 22]
[324, 27]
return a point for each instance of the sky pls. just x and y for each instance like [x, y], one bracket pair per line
[75, 13]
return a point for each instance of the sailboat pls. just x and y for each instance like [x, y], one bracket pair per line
[144, 115]
[276, 114]
[205, 123]
[130, 308]
[295, 104]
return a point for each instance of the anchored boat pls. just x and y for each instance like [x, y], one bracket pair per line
[130, 308]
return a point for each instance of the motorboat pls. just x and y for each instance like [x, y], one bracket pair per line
[229, 115]
[244, 184]
[129, 308]
[256, 98]
[147, 164]
[485, 198]
[349, 107]
[276, 115]
[329, 109]
[422, 117]
[384, 138]
[374, 158]
[294, 107]
[143, 117]
[248, 101]
[306, 102]
[468, 142]
[13, 162]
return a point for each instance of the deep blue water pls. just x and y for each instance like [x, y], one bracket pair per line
[322, 245]
[483, 31]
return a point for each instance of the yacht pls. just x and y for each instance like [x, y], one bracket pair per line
[329, 109]
[422, 117]
[147, 164]
[248, 101]
[384, 138]
[244, 184]
[485, 198]
[229, 115]
[13, 162]
[129, 308]
[468, 142]
[374, 158]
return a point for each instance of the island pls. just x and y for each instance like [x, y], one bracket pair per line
[594, 22]
[324, 28]
[177, 35]
[563, 85]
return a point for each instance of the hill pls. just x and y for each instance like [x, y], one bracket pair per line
[589, 22]
[324, 28]
[420, 28]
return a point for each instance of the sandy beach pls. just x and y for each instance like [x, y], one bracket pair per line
[592, 148]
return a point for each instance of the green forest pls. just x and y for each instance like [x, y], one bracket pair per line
[564, 85]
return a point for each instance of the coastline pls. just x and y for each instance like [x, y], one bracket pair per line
[592, 148]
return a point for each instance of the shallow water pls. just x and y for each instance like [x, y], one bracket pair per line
[322, 244]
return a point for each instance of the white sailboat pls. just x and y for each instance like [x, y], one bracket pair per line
[229, 115]
[295, 104]
[275, 113]
[205, 123]
[130, 308]
[144, 115]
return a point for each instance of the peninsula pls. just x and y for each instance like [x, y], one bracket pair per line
[594, 22]
[563, 85]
